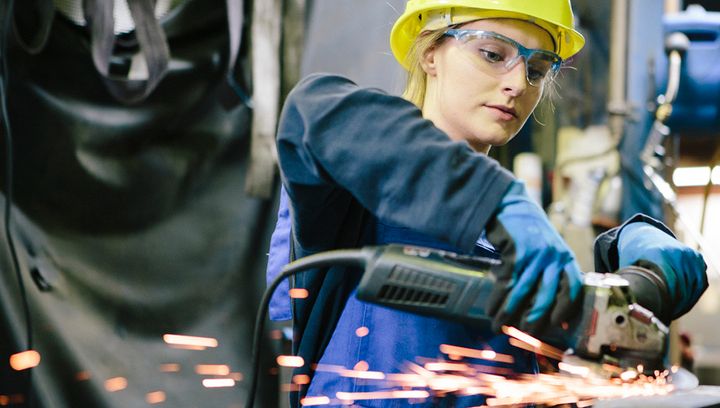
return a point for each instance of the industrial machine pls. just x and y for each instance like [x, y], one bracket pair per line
[616, 326]
[611, 328]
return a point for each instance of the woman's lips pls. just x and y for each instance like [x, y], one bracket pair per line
[502, 112]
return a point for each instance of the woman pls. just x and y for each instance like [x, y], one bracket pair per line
[360, 167]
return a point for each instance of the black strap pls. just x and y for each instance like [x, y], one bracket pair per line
[42, 13]
[234, 92]
[150, 36]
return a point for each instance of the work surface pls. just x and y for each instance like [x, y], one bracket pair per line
[702, 396]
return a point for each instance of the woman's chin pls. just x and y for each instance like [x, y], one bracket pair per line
[495, 141]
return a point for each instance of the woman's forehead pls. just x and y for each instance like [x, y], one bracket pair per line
[524, 32]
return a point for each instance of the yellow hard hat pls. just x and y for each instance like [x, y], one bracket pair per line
[555, 16]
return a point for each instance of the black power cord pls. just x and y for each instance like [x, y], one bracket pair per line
[330, 258]
[7, 22]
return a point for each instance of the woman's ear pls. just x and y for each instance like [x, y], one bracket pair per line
[428, 61]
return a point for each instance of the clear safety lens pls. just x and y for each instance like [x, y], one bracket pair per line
[497, 54]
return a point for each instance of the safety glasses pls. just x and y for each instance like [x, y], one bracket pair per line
[496, 54]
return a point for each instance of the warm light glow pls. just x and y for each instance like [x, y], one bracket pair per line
[612, 368]
[190, 341]
[187, 347]
[526, 342]
[218, 382]
[115, 384]
[474, 353]
[522, 336]
[629, 375]
[368, 375]
[358, 396]
[290, 361]
[212, 369]
[362, 331]
[301, 379]
[299, 293]
[495, 402]
[289, 387]
[82, 376]
[361, 366]
[310, 401]
[24, 360]
[170, 368]
[155, 397]
[344, 372]
[695, 176]
[11, 399]
[449, 382]
[407, 380]
[236, 376]
[442, 366]
[500, 385]
[574, 369]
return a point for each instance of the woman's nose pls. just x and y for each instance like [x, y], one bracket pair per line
[514, 81]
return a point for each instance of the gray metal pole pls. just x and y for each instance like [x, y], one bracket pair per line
[617, 102]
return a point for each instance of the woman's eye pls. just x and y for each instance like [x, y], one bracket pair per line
[491, 56]
[535, 74]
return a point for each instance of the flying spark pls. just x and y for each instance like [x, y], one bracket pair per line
[193, 342]
[218, 382]
[24, 360]
[574, 384]
[290, 361]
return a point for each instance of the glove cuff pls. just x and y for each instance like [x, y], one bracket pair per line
[606, 244]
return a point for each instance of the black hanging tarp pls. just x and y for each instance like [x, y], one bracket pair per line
[131, 220]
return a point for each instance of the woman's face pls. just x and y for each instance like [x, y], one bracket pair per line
[472, 104]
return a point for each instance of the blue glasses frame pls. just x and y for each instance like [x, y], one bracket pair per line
[538, 63]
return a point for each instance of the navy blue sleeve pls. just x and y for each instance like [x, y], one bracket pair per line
[607, 258]
[338, 142]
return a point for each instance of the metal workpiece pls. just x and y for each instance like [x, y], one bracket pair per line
[615, 329]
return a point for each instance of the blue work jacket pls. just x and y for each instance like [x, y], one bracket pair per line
[388, 339]
[361, 167]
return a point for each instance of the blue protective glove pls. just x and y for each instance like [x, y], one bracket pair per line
[642, 244]
[539, 278]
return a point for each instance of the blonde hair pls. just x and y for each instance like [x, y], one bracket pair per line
[417, 78]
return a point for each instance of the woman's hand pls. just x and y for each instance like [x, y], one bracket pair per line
[682, 267]
[539, 278]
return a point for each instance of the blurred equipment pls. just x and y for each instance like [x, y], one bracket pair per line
[528, 168]
[130, 146]
[676, 45]
[586, 187]
[653, 156]
[587, 184]
[696, 110]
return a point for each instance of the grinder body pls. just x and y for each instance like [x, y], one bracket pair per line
[612, 326]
